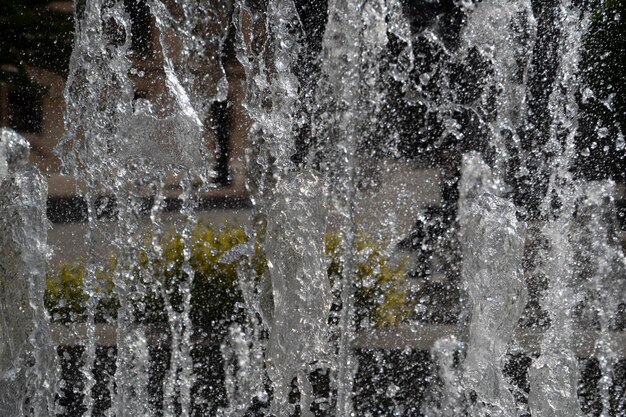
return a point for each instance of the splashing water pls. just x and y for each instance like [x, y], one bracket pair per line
[497, 294]
[494, 107]
[28, 363]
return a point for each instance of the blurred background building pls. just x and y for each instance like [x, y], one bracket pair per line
[411, 179]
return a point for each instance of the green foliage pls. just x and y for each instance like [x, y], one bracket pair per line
[380, 288]
[65, 296]
[214, 289]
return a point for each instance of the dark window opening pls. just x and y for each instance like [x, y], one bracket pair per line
[25, 109]
[140, 21]
[220, 123]
[80, 6]
[114, 33]
[139, 95]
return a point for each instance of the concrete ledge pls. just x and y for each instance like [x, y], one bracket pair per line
[525, 340]
[421, 338]
[74, 209]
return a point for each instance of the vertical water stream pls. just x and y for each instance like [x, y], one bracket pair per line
[28, 362]
[130, 154]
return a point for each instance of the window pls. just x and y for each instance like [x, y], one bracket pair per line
[140, 20]
[25, 109]
[221, 123]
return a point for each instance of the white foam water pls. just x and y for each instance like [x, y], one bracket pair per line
[312, 148]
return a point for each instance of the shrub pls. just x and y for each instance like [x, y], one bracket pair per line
[380, 289]
[161, 276]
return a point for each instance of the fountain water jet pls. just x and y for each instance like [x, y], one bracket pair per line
[28, 363]
[317, 130]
